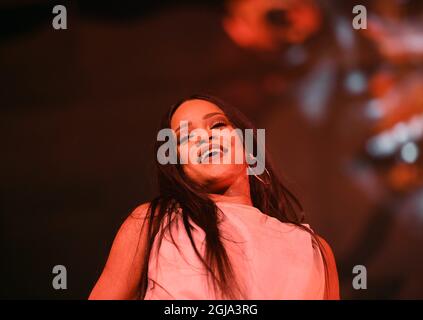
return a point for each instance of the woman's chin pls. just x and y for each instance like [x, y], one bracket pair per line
[217, 177]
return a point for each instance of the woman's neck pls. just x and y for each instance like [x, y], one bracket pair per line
[237, 192]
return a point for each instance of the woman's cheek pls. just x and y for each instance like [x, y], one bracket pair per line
[183, 153]
[188, 153]
[237, 150]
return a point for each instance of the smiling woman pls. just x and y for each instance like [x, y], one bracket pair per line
[215, 231]
[222, 145]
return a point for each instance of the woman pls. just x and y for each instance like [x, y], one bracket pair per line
[215, 231]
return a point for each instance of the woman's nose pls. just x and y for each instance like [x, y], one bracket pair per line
[203, 139]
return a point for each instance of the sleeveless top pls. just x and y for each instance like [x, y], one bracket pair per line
[271, 259]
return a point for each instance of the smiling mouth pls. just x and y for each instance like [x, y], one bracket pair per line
[215, 150]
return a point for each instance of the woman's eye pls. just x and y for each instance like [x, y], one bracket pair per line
[218, 125]
[186, 138]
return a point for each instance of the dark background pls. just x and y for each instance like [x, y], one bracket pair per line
[79, 113]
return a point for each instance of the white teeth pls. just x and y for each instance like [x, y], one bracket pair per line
[210, 152]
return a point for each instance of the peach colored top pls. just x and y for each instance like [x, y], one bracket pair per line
[272, 260]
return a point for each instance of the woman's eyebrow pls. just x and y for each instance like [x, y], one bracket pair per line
[209, 115]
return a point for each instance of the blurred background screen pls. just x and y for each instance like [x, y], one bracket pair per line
[342, 108]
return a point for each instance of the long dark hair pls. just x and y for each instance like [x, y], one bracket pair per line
[178, 193]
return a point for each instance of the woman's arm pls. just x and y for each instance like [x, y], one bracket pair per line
[122, 272]
[333, 287]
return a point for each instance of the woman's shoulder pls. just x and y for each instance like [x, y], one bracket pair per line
[144, 209]
[143, 215]
[140, 211]
[333, 287]
[326, 247]
[133, 223]
[317, 238]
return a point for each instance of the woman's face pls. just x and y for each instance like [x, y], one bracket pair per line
[210, 151]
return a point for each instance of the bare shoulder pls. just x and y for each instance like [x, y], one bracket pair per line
[135, 220]
[332, 269]
[132, 228]
[139, 220]
[121, 274]
[140, 211]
